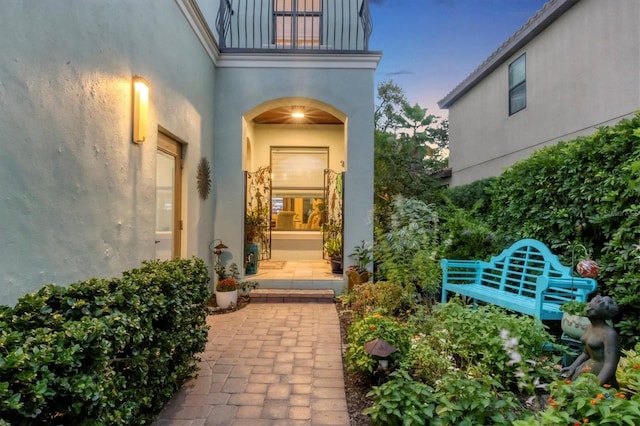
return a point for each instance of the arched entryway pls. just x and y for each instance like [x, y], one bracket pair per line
[294, 160]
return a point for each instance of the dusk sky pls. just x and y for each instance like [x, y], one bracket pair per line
[429, 46]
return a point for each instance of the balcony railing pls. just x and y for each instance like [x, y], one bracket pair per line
[294, 25]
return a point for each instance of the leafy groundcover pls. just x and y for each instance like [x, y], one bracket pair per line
[103, 351]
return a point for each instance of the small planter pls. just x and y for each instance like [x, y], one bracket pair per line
[224, 299]
[574, 325]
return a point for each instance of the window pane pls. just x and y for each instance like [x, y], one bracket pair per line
[309, 5]
[298, 167]
[309, 30]
[518, 98]
[284, 30]
[282, 5]
[517, 72]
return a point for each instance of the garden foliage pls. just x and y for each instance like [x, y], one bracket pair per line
[407, 252]
[103, 351]
[463, 366]
[584, 191]
[485, 366]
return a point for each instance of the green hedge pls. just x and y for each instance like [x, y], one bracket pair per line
[584, 191]
[103, 351]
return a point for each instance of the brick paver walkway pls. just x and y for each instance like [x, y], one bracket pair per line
[267, 364]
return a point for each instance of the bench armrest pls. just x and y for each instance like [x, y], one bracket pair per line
[470, 264]
[575, 288]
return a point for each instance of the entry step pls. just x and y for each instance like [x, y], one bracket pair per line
[267, 295]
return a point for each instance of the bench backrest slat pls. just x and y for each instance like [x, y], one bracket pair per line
[517, 268]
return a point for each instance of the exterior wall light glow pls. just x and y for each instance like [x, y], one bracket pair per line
[297, 114]
[140, 109]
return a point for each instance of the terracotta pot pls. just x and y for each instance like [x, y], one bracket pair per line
[574, 325]
[225, 298]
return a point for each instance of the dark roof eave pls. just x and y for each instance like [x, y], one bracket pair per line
[551, 11]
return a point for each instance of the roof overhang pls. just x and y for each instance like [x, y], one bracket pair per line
[551, 11]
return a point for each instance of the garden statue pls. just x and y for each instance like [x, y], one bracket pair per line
[601, 344]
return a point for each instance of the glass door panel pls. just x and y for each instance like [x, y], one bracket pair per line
[165, 194]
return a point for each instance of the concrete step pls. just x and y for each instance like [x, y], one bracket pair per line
[269, 295]
[334, 284]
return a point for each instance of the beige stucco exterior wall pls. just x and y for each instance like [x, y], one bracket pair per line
[240, 90]
[583, 72]
[78, 197]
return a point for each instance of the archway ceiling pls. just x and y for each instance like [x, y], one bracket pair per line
[282, 115]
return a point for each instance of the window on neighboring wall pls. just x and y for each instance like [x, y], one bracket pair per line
[517, 85]
[297, 23]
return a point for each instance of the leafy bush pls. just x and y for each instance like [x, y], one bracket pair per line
[386, 297]
[103, 351]
[582, 191]
[371, 327]
[407, 253]
[400, 401]
[585, 401]
[464, 237]
[473, 196]
[456, 400]
[482, 342]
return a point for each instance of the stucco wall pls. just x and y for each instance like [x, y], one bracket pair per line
[582, 72]
[78, 197]
[238, 90]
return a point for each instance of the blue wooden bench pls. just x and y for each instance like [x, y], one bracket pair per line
[525, 278]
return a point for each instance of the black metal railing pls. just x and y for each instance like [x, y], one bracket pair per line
[294, 25]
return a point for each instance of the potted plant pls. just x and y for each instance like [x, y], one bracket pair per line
[226, 289]
[333, 248]
[255, 223]
[574, 320]
[358, 273]
[226, 293]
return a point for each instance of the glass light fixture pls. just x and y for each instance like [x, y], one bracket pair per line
[140, 109]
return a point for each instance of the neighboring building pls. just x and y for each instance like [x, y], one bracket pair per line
[571, 68]
[80, 199]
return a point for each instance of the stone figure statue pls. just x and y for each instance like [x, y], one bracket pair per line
[601, 344]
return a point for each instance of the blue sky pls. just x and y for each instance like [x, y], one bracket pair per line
[429, 46]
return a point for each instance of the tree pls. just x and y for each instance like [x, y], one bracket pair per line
[391, 98]
[408, 153]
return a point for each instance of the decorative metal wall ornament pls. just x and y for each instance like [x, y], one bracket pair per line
[204, 178]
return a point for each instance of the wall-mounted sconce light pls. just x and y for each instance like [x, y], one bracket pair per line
[297, 112]
[140, 109]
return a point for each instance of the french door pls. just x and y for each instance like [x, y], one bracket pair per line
[168, 198]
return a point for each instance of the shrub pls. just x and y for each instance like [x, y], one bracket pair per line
[385, 297]
[464, 237]
[407, 252]
[482, 342]
[585, 401]
[456, 400]
[473, 196]
[371, 327]
[582, 191]
[110, 351]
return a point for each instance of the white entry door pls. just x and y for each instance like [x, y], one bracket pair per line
[168, 198]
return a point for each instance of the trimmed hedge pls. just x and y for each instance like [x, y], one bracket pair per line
[103, 351]
[584, 191]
